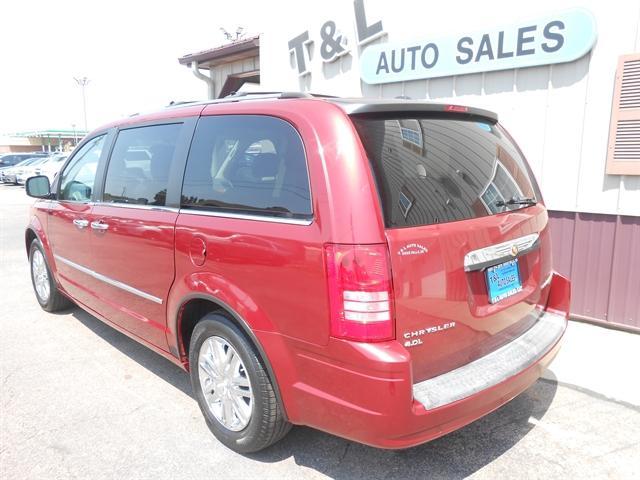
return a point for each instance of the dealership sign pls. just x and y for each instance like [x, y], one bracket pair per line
[558, 38]
[333, 43]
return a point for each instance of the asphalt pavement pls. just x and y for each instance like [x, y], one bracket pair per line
[80, 400]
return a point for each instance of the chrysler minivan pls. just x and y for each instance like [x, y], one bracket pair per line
[376, 269]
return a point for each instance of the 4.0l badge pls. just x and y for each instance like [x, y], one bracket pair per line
[413, 339]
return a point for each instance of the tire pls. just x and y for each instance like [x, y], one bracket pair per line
[266, 424]
[50, 299]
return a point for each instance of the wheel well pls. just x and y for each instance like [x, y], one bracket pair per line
[29, 237]
[193, 311]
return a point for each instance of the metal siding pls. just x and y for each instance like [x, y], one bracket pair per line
[624, 299]
[592, 257]
[601, 256]
[562, 225]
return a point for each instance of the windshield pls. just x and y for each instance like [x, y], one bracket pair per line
[28, 161]
[39, 161]
[434, 170]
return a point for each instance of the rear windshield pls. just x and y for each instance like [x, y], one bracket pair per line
[441, 170]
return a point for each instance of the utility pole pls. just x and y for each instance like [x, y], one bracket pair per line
[82, 83]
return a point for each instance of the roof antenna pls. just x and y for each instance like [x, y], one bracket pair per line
[233, 37]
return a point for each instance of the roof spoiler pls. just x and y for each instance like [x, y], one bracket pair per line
[411, 108]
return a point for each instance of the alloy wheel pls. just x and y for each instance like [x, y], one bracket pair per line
[40, 276]
[225, 383]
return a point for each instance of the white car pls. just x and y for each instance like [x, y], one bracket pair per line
[52, 166]
[9, 160]
[25, 171]
[9, 174]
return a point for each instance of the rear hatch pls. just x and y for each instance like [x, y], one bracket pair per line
[466, 232]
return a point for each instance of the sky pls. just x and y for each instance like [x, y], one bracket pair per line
[127, 49]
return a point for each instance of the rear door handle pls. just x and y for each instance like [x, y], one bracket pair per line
[80, 223]
[99, 225]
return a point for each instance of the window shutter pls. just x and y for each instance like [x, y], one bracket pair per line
[623, 154]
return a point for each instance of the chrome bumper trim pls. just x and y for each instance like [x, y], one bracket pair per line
[493, 368]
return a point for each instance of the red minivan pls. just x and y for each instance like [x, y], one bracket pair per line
[376, 269]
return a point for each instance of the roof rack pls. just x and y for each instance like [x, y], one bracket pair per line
[282, 95]
[174, 103]
[242, 96]
[268, 95]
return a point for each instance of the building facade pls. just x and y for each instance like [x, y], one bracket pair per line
[563, 76]
[41, 140]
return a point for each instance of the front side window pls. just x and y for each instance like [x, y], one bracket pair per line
[78, 178]
[247, 164]
[138, 171]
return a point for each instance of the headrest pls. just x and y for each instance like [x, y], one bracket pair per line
[265, 166]
[161, 156]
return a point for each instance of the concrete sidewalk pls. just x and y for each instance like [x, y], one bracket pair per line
[80, 400]
[600, 360]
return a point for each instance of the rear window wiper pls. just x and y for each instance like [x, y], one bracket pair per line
[516, 201]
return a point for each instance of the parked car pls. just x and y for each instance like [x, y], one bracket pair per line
[9, 160]
[53, 166]
[10, 174]
[22, 172]
[48, 167]
[377, 269]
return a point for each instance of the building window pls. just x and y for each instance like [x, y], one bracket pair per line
[411, 134]
[501, 188]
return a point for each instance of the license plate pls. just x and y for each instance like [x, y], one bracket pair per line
[503, 280]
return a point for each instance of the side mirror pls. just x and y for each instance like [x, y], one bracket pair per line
[38, 187]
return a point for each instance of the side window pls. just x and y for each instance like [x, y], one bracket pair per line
[247, 164]
[11, 160]
[76, 182]
[138, 171]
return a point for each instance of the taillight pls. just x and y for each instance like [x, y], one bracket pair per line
[360, 292]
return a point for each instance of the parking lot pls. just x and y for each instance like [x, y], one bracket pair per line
[80, 400]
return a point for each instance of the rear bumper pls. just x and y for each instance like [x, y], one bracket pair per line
[493, 368]
[369, 396]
